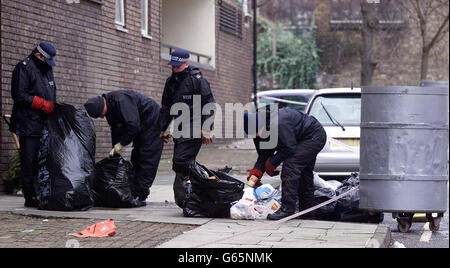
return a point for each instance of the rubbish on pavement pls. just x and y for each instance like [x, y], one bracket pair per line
[253, 180]
[264, 192]
[347, 208]
[111, 186]
[211, 198]
[398, 245]
[101, 229]
[326, 212]
[321, 183]
[66, 160]
[256, 204]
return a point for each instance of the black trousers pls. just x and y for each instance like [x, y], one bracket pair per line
[145, 157]
[185, 152]
[29, 148]
[297, 176]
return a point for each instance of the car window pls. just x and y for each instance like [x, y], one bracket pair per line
[300, 98]
[346, 109]
[263, 102]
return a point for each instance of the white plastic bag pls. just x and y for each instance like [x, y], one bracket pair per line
[249, 208]
[264, 192]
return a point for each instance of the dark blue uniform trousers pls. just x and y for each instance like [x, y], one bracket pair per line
[145, 157]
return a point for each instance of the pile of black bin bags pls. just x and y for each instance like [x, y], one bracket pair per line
[66, 160]
[207, 193]
[112, 186]
[68, 178]
[345, 209]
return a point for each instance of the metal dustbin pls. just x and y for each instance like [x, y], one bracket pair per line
[403, 152]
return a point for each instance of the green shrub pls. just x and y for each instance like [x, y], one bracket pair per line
[296, 61]
[11, 176]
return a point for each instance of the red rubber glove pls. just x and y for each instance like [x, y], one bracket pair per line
[270, 169]
[257, 173]
[41, 104]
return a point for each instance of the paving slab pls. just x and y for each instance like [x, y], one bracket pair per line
[159, 212]
[222, 233]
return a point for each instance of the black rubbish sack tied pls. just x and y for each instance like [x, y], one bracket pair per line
[66, 160]
[347, 208]
[112, 184]
[211, 193]
[327, 212]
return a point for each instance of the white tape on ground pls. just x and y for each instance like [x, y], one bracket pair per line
[282, 220]
[426, 235]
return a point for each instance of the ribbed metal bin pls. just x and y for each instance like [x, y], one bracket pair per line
[404, 145]
[432, 83]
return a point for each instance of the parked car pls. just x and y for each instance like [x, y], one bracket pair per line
[292, 98]
[339, 111]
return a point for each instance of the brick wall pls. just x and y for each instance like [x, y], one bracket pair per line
[94, 58]
[398, 53]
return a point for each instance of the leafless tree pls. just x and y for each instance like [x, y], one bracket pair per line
[370, 21]
[424, 13]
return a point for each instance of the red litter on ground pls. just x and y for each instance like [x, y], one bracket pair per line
[101, 229]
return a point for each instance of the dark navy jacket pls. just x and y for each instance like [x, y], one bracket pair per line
[293, 126]
[181, 88]
[31, 77]
[129, 113]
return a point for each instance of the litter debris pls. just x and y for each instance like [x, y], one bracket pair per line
[101, 229]
[256, 204]
[398, 245]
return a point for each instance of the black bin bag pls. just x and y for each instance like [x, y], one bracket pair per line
[211, 193]
[327, 212]
[112, 187]
[66, 160]
[347, 208]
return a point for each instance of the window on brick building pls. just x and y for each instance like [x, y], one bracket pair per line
[145, 19]
[120, 14]
[230, 19]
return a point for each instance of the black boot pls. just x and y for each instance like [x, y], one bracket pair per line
[280, 214]
[31, 202]
[140, 202]
[308, 216]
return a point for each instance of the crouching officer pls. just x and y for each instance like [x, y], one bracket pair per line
[34, 92]
[300, 138]
[183, 86]
[133, 118]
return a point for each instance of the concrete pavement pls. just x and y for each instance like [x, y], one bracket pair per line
[161, 209]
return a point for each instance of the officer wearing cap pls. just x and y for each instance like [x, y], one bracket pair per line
[33, 91]
[181, 87]
[133, 118]
[300, 138]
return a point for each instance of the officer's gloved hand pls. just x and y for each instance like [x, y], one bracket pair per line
[116, 150]
[165, 138]
[257, 174]
[206, 138]
[43, 105]
[270, 169]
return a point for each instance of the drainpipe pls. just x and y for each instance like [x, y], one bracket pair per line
[255, 85]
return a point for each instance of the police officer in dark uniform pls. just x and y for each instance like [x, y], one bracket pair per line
[300, 138]
[33, 90]
[133, 118]
[181, 87]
